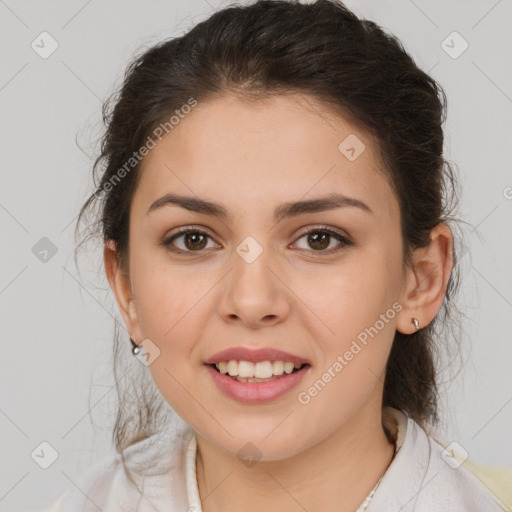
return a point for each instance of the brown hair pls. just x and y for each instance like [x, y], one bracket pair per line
[277, 47]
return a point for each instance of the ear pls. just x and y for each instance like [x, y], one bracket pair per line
[121, 286]
[425, 288]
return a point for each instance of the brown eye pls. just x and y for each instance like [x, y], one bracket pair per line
[319, 240]
[193, 240]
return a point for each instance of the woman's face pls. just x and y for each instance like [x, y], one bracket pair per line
[256, 281]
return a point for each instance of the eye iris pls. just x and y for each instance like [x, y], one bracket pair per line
[196, 237]
[317, 240]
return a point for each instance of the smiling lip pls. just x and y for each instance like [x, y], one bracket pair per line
[256, 392]
[254, 356]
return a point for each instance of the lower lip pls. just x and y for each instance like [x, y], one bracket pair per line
[257, 392]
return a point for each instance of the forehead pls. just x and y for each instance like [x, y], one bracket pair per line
[248, 155]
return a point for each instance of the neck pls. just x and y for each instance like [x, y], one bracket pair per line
[341, 470]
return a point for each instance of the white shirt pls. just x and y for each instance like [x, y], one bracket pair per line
[422, 477]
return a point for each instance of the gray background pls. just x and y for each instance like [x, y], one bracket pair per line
[57, 325]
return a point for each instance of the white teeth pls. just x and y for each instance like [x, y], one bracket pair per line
[246, 371]
[233, 368]
[288, 367]
[263, 370]
[278, 367]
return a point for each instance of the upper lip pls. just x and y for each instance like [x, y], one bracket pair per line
[254, 355]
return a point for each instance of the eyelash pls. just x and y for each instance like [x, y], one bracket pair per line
[344, 241]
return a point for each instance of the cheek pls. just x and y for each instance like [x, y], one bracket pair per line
[355, 333]
[351, 296]
[168, 301]
[170, 310]
[355, 337]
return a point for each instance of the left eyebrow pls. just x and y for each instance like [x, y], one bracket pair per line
[289, 209]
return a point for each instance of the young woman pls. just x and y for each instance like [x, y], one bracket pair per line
[275, 210]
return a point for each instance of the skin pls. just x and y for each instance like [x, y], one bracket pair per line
[251, 157]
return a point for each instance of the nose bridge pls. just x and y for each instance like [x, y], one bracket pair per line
[254, 292]
[252, 260]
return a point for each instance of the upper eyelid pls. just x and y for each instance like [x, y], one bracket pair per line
[320, 227]
[323, 227]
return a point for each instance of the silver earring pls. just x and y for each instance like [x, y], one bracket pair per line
[135, 348]
[416, 323]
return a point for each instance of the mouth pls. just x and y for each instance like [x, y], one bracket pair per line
[256, 383]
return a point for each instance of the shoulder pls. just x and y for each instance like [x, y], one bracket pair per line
[427, 474]
[92, 485]
[151, 477]
[494, 481]
[463, 483]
